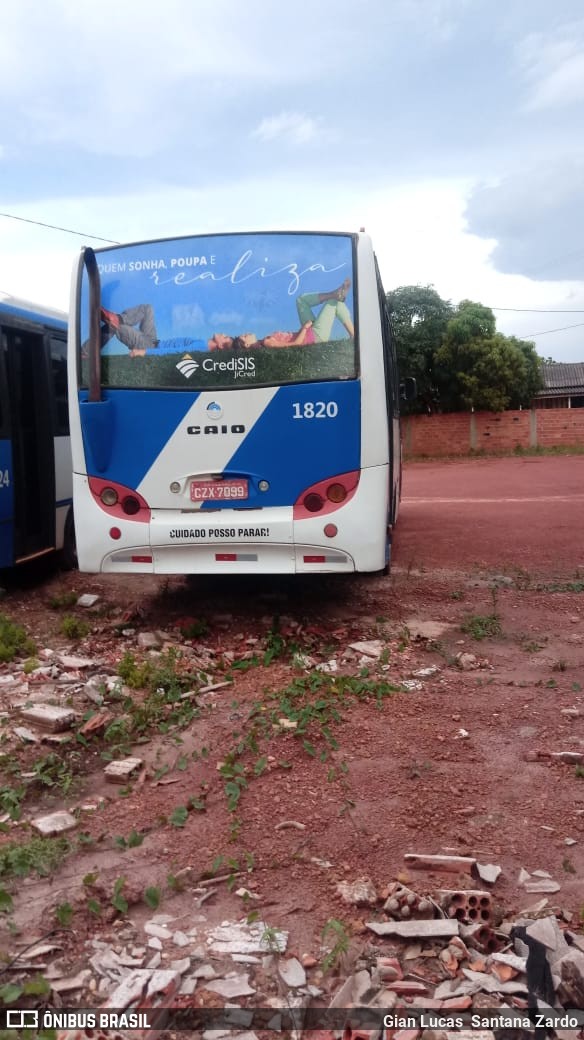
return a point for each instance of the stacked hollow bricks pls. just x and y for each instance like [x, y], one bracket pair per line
[404, 904]
[472, 909]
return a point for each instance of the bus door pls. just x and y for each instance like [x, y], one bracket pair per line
[6, 476]
[31, 432]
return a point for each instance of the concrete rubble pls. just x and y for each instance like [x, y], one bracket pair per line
[54, 823]
[49, 717]
[123, 770]
[543, 883]
[450, 864]
[292, 973]
[436, 945]
[439, 929]
[369, 648]
[361, 892]
[430, 948]
[488, 872]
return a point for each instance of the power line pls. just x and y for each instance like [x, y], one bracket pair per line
[547, 331]
[54, 227]
[516, 310]
[535, 310]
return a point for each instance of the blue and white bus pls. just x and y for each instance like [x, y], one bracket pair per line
[35, 451]
[234, 404]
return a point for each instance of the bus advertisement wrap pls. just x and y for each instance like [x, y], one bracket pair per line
[225, 311]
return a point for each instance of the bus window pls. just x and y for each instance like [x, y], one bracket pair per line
[35, 465]
[3, 386]
[228, 316]
[58, 349]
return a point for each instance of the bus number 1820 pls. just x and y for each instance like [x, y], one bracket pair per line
[315, 410]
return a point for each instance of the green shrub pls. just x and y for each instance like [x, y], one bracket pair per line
[14, 640]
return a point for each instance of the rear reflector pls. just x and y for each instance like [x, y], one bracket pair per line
[337, 558]
[236, 557]
[141, 559]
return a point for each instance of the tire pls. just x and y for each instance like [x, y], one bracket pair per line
[386, 570]
[69, 550]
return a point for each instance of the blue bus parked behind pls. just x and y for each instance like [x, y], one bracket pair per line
[36, 513]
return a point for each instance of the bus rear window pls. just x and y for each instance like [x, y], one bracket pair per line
[226, 311]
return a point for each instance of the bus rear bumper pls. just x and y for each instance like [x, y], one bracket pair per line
[259, 558]
[253, 558]
[227, 541]
[249, 541]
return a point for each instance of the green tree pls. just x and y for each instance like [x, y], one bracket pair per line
[478, 367]
[534, 376]
[419, 318]
[470, 321]
[456, 355]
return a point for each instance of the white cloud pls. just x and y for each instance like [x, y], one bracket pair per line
[224, 108]
[132, 79]
[293, 127]
[536, 216]
[439, 19]
[553, 66]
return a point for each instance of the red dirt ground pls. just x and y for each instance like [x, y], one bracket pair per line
[413, 783]
[495, 513]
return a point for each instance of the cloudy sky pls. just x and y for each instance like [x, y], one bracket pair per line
[450, 129]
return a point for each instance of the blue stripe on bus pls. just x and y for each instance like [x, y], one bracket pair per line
[293, 453]
[290, 453]
[143, 422]
[39, 317]
[64, 502]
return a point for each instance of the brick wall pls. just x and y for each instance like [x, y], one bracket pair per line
[561, 426]
[462, 432]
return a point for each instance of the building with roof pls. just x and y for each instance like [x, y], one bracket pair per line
[563, 386]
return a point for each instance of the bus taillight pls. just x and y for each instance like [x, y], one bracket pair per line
[109, 496]
[313, 502]
[326, 496]
[119, 501]
[130, 505]
[336, 493]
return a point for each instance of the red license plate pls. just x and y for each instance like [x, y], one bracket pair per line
[219, 490]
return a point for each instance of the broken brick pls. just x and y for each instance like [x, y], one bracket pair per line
[54, 823]
[457, 1003]
[450, 864]
[121, 771]
[96, 723]
[49, 716]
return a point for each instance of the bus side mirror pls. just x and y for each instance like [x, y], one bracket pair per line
[408, 390]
